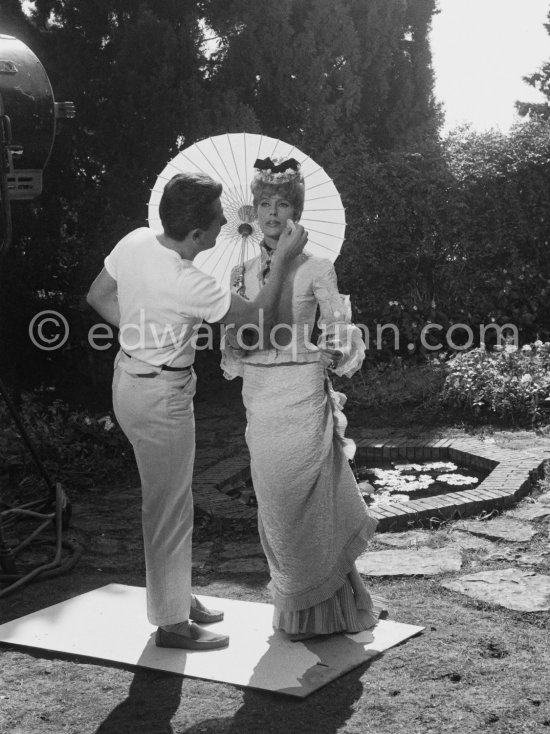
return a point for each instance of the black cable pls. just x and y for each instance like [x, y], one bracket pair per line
[54, 567]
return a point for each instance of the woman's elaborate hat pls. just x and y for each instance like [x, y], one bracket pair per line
[277, 171]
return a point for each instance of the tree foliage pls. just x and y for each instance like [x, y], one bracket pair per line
[451, 234]
[318, 73]
[540, 80]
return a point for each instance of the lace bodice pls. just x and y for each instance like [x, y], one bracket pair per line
[310, 283]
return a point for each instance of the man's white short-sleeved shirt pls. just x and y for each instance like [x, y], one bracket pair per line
[163, 300]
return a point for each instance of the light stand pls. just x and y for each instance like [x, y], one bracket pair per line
[27, 110]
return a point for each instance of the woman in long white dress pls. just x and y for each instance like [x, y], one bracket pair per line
[312, 519]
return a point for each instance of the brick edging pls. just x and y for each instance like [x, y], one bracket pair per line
[209, 488]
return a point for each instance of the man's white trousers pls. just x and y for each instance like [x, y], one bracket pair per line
[155, 410]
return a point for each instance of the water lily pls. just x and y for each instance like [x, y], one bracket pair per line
[419, 484]
[426, 479]
[456, 479]
[440, 466]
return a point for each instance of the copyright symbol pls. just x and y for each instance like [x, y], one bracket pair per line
[49, 330]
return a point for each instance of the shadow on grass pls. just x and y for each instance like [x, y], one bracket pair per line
[153, 699]
[324, 712]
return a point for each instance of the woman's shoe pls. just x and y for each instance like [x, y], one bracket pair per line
[201, 614]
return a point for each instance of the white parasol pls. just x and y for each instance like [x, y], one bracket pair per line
[230, 159]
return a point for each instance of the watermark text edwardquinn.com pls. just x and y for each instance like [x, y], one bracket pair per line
[49, 331]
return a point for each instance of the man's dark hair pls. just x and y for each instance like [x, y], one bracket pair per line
[187, 203]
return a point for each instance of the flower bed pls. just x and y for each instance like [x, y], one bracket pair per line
[507, 382]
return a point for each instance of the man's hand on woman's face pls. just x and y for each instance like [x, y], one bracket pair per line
[292, 241]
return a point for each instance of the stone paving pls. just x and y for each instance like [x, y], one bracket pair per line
[514, 588]
[410, 562]
[501, 539]
[501, 528]
[519, 537]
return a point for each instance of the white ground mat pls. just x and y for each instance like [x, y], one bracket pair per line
[110, 624]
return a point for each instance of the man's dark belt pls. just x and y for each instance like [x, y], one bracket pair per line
[163, 367]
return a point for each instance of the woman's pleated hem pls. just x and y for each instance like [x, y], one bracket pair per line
[341, 613]
[333, 581]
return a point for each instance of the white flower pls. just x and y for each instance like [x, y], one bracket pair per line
[525, 379]
[526, 348]
[510, 348]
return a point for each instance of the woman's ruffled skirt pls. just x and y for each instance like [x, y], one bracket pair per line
[312, 519]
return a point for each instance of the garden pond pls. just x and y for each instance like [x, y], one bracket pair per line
[396, 481]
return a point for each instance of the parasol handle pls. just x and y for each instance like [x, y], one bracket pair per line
[245, 230]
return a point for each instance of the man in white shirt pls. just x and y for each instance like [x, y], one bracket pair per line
[152, 291]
